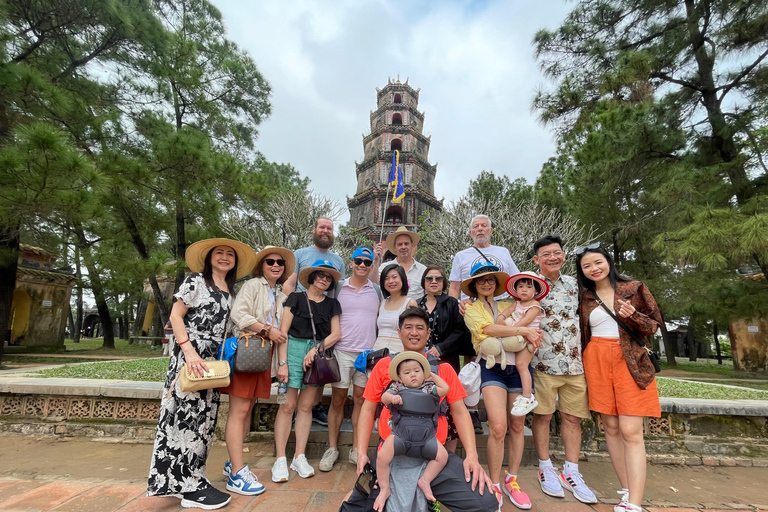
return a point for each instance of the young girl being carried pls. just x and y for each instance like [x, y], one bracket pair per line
[528, 288]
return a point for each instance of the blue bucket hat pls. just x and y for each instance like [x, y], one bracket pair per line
[323, 265]
[481, 269]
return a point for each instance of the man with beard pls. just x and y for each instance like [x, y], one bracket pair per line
[322, 241]
[480, 230]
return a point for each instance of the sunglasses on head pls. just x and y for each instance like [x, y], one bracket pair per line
[437, 279]
[362, 261]
[364, 482]
[271, 262]
[584, 248]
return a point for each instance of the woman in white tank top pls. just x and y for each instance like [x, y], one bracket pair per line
[394, 288]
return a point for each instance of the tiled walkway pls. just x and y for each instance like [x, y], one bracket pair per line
[83, 476]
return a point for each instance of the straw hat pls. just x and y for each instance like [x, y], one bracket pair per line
[287, 255]
[324, 265]
[402, 230]
[403, 356]
[196, 253]
[481, 269]
[543, 285]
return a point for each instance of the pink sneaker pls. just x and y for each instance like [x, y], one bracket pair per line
[499, 496]
[516, 495]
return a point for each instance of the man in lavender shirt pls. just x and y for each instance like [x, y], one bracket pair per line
[359, 300]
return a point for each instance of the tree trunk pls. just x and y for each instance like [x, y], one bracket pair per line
[141, 247]
[97, 287]
[9, 261]
[181, 245]
[669, 349]
[79, 299]
[717, 343]
[722, 132]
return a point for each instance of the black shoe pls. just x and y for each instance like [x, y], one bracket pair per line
[319, 416]
[476, 422]
[208, 498]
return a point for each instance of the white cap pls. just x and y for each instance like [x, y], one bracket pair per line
[470, 379]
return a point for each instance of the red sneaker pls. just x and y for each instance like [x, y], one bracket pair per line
[516, 495]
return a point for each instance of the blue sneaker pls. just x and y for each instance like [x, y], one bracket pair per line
[245, 483]
[319, 416]
[227, 468]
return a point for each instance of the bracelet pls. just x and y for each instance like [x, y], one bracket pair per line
[502, 314]
[183, 342]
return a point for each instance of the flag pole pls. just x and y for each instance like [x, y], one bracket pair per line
[384, 212]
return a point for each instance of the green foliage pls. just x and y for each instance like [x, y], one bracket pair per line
[152, 370]
[686, 389]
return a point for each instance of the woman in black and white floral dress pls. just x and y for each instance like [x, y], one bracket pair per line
[187, 420]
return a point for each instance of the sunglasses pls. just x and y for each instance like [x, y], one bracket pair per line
[324, 276]
[362, 261]
[272, 262]
[436, 279]
[364, 482]
[584, 248]
[488, 280]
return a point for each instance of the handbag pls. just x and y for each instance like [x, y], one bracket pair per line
[254, 352]
[217, 376]
[653, 356]
[375, 356]
[325, 368]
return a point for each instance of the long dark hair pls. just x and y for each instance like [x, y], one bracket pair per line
[230, 278]
[403, 278]
[585, 283]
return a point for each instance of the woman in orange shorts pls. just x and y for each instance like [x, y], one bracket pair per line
[258, 308]
[619, 372]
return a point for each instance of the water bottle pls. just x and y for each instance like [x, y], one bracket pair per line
[282, 388]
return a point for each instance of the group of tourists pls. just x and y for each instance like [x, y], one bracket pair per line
[529, 342]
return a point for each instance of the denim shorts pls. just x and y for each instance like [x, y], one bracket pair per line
[507, 378]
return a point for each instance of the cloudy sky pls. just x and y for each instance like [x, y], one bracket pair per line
[472, 60]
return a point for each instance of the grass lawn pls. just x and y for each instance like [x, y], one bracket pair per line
[753, 385]
[134, 369]
[688, 389]
[22, 360]
[93, 346]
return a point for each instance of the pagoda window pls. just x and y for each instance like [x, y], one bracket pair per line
[398, 98]
[396, 144]
[394, 215]
[397, 118]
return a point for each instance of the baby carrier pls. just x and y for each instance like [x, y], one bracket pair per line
[414, 423]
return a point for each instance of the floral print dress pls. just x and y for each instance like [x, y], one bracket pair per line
[187, 420]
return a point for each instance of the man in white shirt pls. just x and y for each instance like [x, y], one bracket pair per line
[480, 230]
[403, 244]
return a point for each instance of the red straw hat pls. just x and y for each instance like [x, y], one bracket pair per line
[543, 286]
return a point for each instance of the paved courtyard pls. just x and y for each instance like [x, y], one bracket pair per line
[80, 475]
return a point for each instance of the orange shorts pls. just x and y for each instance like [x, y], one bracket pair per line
[611, 388]
[249, 385]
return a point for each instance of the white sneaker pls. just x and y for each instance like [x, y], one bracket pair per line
[353, 456]
[621, 506]
[302, 467]
[330, 457]
[280, 470]
[523, 405]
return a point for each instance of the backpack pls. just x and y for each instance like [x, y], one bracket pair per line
[434, 364]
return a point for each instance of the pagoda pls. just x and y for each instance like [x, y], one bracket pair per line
[396, 124]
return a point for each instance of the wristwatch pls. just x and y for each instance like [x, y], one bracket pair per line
[282, 363]
[265, 330]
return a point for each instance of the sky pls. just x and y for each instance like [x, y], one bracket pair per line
[473, 61]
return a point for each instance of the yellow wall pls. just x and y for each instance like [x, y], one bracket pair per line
[19, 321]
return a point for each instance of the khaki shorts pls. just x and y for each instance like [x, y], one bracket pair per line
[349, 375]
[570, 391]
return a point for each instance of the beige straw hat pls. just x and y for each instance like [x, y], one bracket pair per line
[196, 253]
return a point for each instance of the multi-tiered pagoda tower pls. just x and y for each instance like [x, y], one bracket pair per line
[396, 124]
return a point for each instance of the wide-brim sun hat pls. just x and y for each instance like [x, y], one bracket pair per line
[286, 254]
[322, 265]
[404, 356]
[543, 285]
[402, 230]
[485, 268]
[196, 253]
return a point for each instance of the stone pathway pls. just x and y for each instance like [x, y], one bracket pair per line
[79, 475]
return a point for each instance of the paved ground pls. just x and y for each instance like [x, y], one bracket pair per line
[80, 475]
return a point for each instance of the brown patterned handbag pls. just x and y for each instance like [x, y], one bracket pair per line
[253, 354]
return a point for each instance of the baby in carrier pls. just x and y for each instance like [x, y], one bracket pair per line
[414, 400]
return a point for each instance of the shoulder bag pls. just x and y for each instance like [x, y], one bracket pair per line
[325, 367]
[653, 356]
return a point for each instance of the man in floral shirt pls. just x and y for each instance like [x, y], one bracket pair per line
[559, 374]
